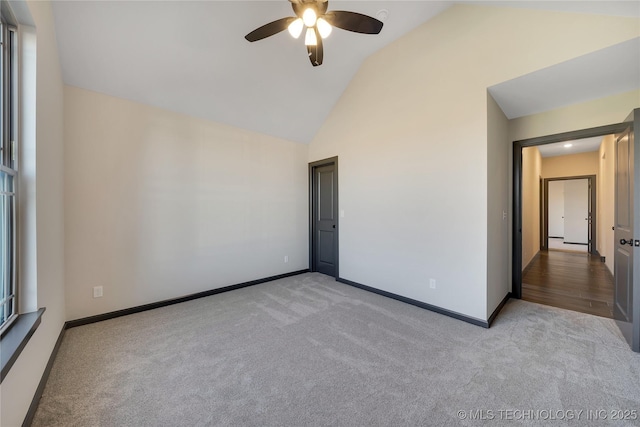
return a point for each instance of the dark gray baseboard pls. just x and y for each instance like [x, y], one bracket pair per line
[100, 317]
[436, 309]
[608, 273]
[533, 260]
[499, 308]
[154, 305]
[28, 419]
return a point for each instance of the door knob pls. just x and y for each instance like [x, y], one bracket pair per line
[626, 242]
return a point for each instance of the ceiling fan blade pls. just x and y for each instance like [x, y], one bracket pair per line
[269, 29]
[316, 53]
[352, 21]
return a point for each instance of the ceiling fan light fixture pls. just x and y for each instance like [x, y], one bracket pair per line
[295, 28]
[324, 28]
[309, 17]
[310, 38]
[313, 15]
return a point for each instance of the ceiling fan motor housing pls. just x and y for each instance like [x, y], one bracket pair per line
[307, 1]
[319, 6]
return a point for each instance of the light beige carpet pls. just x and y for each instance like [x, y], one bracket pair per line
[307, 350]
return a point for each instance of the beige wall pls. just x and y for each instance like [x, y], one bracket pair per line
[44, 213]
[161, 205]
[411, 134]
[606, 200]
[531, 173]
[599, 112]
[498, 242]
[570, 165]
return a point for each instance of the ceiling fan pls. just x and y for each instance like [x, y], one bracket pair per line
[313, 15]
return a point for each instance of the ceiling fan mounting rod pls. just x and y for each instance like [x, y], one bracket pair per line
[307, 1]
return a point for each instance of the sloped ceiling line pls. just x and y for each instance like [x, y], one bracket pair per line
[192, 58]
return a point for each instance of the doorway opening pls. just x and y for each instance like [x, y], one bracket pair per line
[569, 218]
[626, 258]
[565, 269]
[323, 217]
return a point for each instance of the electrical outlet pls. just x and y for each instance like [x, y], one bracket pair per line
[97, 291]
[286, 258]
[432, 283]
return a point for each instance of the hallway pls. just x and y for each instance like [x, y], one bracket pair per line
[573, 281]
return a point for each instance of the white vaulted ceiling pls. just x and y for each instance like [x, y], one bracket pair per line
[191, 56]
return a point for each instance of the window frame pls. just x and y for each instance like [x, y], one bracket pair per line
[15, 336]
[9, 165]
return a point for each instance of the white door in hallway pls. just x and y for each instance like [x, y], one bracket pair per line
[576, 211]
[556, 209]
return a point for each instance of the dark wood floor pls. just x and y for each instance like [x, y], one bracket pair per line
[573, 281]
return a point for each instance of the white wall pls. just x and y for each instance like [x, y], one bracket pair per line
[18, 388]
[556, 208]
[411, 135]
[498, 207]
[161, 205]
[606, 200]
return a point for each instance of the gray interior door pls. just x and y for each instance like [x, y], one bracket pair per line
[626, 302]
[324, 246]
[590, 217]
